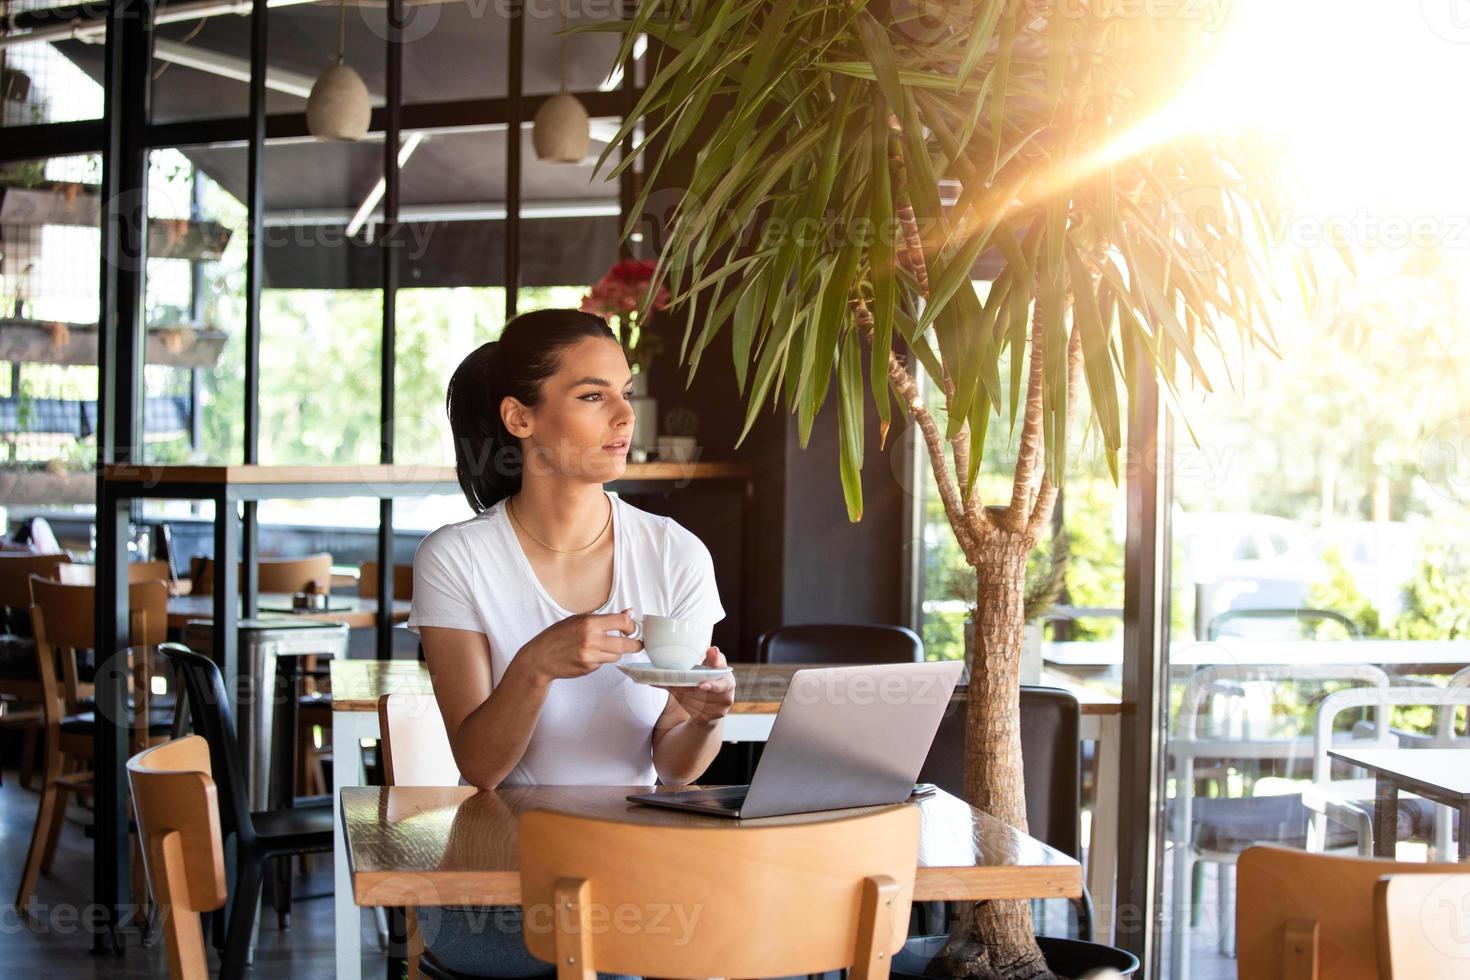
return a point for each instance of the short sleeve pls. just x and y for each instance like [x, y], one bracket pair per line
[441, 595]
[691, 576]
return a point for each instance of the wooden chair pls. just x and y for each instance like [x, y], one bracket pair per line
[183, 850]
[746, 893]
[19, 683]
[138, 571]
[1302, 916]
[64, 623]
[367, 581]
[274, 574]
[1423, 926]
[416, 752]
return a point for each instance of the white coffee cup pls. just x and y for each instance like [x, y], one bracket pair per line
[673, 644]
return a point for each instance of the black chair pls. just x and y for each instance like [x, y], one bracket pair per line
[839, 643]
[1052, 757]
[259, 837]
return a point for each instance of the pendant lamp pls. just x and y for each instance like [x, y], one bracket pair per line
[338, 107]
[561, 131]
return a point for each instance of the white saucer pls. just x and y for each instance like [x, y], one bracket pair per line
[646, 673]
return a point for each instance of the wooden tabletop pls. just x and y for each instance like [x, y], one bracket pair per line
[416, 845]
[759, 688]
[355, 611]
[357, 684]
[1429, 772]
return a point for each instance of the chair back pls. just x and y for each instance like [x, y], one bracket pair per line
[1421, 924]
[1279, 624]
[15, 577]
[1444, 700]
[64, 620]
[1050, 754]
[839, 643]
[1249, 727]
[209, 710]
[415, 743]
[183, 849]
[75, 573]
[367, 581]
[273, 574]
[717, 900]
[1301, 915]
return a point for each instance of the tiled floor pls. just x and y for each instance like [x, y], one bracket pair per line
[57, 946]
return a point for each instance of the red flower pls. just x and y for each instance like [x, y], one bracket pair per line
[621, 290]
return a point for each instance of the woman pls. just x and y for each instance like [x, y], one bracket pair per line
[523, 610]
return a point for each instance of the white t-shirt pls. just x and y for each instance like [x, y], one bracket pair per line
[594, 729]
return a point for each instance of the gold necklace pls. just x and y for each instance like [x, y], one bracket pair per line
[510, 505]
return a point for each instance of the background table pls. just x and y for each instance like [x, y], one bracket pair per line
[1083, 660]
[356, 611]
[416, 845]
[1441, 775]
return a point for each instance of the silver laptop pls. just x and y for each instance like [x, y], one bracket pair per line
[844, 737]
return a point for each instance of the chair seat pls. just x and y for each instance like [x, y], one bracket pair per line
[1230, 825]
[160, 722]
[163, 702]
[18, 657]
[307, 826]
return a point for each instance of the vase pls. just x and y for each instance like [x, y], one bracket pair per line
[1031, 652]
[645, 415]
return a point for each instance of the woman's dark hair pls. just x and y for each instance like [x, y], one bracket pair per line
[487, 458]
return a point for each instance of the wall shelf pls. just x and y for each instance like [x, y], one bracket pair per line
[186, 345]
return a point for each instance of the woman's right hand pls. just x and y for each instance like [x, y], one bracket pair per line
[578, 645]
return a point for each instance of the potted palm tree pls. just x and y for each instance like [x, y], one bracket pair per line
[865, 157]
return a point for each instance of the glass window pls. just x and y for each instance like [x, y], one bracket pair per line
[49, 229]
[52, 81]
[1349, 571]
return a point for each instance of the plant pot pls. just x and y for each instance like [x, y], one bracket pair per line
[676, 449]
[1067, 958]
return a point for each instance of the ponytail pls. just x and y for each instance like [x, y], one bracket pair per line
[487, 459]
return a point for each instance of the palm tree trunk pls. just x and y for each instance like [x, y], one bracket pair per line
[995, 939]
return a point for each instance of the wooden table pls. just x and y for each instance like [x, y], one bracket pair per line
[357, 685]
[1441, 775]
[1086, 659]
[416, 845]
[356, 611]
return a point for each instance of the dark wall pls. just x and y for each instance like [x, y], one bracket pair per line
[805, 562]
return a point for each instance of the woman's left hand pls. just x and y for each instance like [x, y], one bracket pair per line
[711, 700]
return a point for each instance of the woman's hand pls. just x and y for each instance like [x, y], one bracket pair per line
[711, 700]
[578, 645]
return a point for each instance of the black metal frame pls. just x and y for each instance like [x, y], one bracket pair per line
[124, 136]
[1149, 489]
